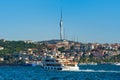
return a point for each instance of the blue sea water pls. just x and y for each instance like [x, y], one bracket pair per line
[86, 72]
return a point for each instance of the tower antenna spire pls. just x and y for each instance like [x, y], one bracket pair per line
[61, 13]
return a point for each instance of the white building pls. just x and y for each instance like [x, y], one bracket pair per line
[1, 48]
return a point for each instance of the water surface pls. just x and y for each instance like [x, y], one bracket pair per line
[86, 72]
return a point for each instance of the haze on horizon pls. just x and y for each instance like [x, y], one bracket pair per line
[85, 20]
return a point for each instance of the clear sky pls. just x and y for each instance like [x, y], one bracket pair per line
[84, 20]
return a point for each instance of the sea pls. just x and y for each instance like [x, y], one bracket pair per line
[86, 72]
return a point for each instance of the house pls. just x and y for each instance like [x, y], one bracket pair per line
[1, 48]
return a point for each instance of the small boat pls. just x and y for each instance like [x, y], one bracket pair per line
[87, 63]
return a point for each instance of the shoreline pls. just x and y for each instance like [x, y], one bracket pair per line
[15, 64]
[116, 63]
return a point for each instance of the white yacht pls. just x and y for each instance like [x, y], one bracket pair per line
[50, 63]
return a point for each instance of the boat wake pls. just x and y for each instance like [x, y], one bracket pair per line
[85, 75]
[90, 70]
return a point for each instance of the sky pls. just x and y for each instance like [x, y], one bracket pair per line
[83, 20]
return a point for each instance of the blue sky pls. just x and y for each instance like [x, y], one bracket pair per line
[84, 20]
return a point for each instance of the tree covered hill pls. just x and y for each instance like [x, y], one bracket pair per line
[15, 46]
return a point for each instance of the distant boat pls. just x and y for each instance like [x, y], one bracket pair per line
[92, 63]
[87, 63]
